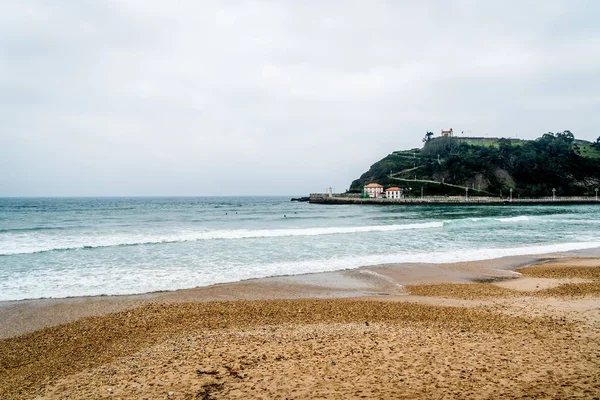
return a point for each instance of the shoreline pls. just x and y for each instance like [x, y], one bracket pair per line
[536, 258]
[462, 330]
[386, 280]
[568, 249]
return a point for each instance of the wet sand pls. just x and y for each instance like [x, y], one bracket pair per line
[467, 330]
[20, 317]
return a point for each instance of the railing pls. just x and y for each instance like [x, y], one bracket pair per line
[357, 198]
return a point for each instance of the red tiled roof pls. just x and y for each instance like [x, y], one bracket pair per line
[392, 189]
[374, 185]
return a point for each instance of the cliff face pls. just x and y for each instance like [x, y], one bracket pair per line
[531, 168]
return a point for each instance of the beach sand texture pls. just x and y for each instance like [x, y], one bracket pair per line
[443, 340]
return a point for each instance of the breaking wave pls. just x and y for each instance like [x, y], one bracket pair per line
[107, 241]
[472, 221]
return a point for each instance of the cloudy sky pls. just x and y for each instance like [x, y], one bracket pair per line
[150, 97]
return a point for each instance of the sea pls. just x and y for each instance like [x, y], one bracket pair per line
[63, 247]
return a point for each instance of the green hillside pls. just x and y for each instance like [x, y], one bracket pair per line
[448, 165]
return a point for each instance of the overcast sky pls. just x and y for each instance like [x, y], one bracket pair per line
[151, 97]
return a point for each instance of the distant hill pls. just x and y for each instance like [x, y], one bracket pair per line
[489, 166]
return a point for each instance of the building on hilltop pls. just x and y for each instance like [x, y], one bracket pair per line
[393, 193]
[449, 133]
[373, 190]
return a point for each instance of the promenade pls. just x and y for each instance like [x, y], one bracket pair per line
[323, 198]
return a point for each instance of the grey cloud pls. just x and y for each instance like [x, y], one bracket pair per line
[150, 97]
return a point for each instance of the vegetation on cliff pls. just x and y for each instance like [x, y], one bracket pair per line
[448, 165]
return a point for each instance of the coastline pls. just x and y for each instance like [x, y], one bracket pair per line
[458, 330]
[464, 330]
[387, 280]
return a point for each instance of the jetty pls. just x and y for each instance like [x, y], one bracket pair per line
[329, 198]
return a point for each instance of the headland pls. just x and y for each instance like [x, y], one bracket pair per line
[553, 166]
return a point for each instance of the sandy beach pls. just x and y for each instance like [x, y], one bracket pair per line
[299, 200]
[524, 327]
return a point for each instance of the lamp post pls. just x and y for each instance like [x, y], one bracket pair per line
[466, 194]
[596, 194]
[553, 194]
[421, 193]
[510, 194]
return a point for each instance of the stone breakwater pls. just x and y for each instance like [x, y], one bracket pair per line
[319, 198]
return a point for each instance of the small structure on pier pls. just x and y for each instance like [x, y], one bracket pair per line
[373, 190]
[393, 193]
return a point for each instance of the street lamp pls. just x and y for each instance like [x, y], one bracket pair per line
[510, 194]
[422, 193]
[466, 194]
[596, 194]
[553, 194]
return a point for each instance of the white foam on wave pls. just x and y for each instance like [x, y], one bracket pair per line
[440, 257]
[577, 221]
[486, 220]
[33, 244]
[520, 218]
[132, 280]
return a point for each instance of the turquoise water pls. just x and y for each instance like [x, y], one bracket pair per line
[58, 247]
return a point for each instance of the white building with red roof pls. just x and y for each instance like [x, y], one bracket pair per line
[393, 193]
[373, 190]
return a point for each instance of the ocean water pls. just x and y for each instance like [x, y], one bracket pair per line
[60, 247]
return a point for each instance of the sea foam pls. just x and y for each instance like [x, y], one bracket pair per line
[43, 244]
[130, 280]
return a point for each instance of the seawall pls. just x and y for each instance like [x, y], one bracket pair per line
[318, 198]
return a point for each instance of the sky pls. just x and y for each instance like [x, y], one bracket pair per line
[151, 98]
